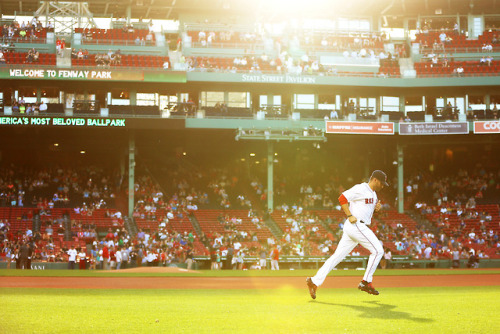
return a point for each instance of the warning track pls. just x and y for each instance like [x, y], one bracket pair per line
[241, 282]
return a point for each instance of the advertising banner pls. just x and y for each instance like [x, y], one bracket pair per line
[433, 128]
[487, 127]
[381, 128]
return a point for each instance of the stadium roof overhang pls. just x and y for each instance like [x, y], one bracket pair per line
[171, 9]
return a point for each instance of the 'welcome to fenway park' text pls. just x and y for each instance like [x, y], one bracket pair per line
[66, 74]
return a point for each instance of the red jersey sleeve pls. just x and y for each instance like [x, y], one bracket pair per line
[342, 200]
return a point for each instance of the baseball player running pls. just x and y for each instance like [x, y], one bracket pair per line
[358, 203]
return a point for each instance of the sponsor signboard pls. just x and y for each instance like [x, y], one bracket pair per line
[433, 128]
[482, 127]
[381, 128]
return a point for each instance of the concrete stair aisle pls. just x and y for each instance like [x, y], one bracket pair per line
[195, 224]
[37, 223]
[273, 227]
[407, 68]
[326, 226]
[68, 235]
[131, 226]
[64, 59]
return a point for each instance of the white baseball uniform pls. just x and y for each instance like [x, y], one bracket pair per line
[362, 200]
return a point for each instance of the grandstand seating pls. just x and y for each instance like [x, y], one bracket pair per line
[179, 225]
[280, 220]
[39, 35]
[452, 222]
[227, 63]
[109, 36]
[127, 61]
[20, 58]
[209, 223]
[343, 42]
[234, 37]
[471, 67]
[392, 218]
[14, 215]
[458, 42]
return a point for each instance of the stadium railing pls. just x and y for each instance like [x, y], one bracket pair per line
[119, 42]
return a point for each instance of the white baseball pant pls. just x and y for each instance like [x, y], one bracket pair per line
[353, 235]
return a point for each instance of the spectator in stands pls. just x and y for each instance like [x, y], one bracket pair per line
[85, 54]
[80, 54]
[30, 57]
[74, 54]
[118, 57]
[23, 33]
[489, 59]
[487, 47]
[15, 107]
[43, 107]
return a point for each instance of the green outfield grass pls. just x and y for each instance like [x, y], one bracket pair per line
[285, 310]
[245, 273]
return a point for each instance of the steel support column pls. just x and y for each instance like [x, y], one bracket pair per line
[400, 180]
[131, 173]
[270, 167]
[66, 15]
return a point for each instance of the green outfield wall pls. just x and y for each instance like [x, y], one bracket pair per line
[292, 262]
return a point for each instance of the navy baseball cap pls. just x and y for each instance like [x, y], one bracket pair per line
[381, 176]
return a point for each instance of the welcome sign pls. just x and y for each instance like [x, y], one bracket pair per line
[92, 74]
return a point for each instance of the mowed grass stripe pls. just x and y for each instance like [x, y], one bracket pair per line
[284, 310]
[243, 273]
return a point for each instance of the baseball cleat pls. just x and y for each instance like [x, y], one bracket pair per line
[312, 287]
[367, 287]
